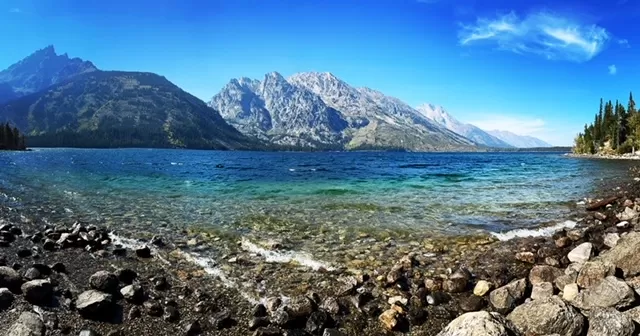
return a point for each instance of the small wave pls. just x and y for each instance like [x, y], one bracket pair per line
[292, 169]
[419, 165]
[539, 232]
[284, 257]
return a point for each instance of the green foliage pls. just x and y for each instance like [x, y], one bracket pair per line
[614, 130]
[11, 139]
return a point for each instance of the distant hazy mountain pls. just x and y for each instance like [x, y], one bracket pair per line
[519, 141]
[473, 133]
[120, 109]
[319, 110]
[42, 69]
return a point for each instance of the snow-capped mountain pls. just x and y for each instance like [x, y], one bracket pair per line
[520, 141]
[473, 133]
[318, 109]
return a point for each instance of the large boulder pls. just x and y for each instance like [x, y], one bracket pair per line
[38, 292]
[506, 297]
[610, 292]
[480, 323]
[28, 324]
[625, 255]
[94, 304]
[9, 278]
[547, 316]
[609, 322]
[592, 272]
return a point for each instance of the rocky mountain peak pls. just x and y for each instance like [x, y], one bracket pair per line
[42, 69]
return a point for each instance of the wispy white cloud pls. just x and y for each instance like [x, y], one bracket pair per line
[624, 43]
[612, 69]
[542, 33]
[15, 10]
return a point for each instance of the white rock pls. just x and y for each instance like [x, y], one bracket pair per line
[623, 224]
[611, 239]
[482, 288]
[570, 292]
[401, 299]
[581, 254]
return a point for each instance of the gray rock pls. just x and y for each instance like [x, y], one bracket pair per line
[634, 314]
[133, 293]
[9, 278]
[28, 324]
[593, 272]
[611, 239]
[541, 291]
[299, 307]
[331, 332]
[331, 305]
[153, 308]
[544, 273]
[625, 255]
[456, 282]
[6, 298]
[477, 324]
[610, 292]
[609, 322]
[506, 297]
[547, 316]
[193, 328]
[104, 281]
[93, 303]
[565, 279]
[581, 254]
[38, 292]
[627, 215]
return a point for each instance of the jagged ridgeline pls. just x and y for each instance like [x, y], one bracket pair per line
[120, 109]
[616, 129]
[11, 138]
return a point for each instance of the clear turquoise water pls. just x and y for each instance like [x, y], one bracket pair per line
[261, 193]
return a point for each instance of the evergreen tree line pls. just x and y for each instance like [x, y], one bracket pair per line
[10, 138]
[615, 130]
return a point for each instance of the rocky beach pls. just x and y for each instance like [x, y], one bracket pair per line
[82, 278]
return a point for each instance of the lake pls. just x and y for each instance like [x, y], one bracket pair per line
[315, 201]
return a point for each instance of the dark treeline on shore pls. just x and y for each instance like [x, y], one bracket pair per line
[615, 130]
[10, 138]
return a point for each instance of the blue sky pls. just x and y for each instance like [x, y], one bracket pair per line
[533, 67]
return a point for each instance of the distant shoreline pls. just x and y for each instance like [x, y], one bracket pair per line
[604, 157]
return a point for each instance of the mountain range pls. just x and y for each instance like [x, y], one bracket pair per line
[62, 101]
[319, 110]
[519, 141]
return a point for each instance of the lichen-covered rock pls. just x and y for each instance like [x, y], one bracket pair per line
[480, 323]
[625, 255]
[506, 297]
[544, 273]
[609, 322]
[547, 316]
[28, 324]
[592, 272]
[541, 291]
[610, 292]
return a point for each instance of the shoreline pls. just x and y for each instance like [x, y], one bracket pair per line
[411, 295]
[605, 157]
